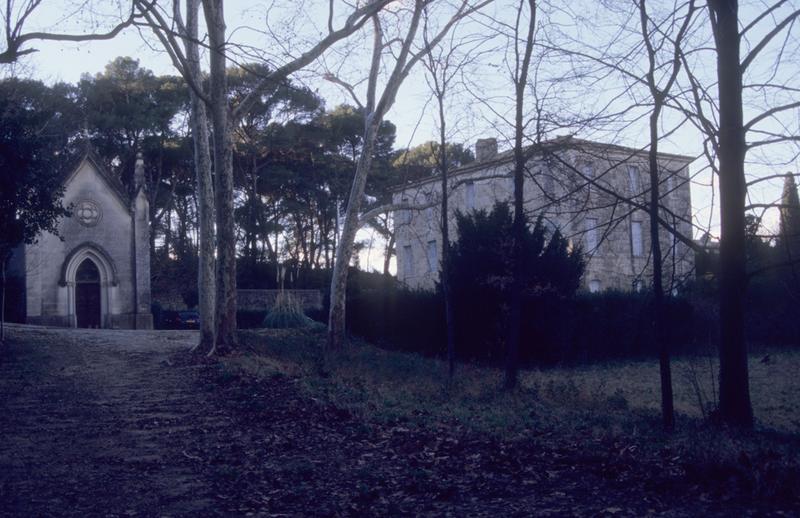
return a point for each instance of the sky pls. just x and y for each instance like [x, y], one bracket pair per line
[412, 114]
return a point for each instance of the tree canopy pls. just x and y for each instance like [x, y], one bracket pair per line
[37, 125]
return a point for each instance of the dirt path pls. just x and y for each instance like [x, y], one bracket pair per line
[95, 420]
[104, 423]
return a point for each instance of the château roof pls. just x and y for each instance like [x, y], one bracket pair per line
[563, 142]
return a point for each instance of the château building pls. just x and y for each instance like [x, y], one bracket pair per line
[595, 194]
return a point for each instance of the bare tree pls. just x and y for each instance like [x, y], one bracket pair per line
[377, 104]
[222, 139]
[186, 58]
[523, 50]
[16, 14]
[730, 138]
[658, 93]
[443, 65]
[224, 118]
[720, 118]
[734, 391]
[206, 276]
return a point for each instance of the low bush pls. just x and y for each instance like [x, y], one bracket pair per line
[286, 313]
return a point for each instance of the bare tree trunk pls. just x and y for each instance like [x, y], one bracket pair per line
[734, 388]
[518, 226]
[374, 110]
[206, 278]
[667, 412]
[277, 233]
[223, 176]
[444, 278]
[336, 317]
[658, 96]
[387, 258]
[168, 229]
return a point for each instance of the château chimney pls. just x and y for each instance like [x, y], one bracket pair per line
[485, 149]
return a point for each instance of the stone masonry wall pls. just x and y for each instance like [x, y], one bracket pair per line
[574, 190]
[250, 300]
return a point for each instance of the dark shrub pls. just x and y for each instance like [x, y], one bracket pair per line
[480, 280]
[250, 319]
[381, 311]
[15, 305]
[585, 328]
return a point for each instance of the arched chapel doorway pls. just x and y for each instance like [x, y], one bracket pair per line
[90, 279]
[88, 312]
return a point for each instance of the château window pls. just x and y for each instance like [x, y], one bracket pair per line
[638, 285]
[549, 185]
[588, 175]
[469, 195]
[408, 261]
[591, 234]
[594, 286]
[406, 214]
[633, 179]
[433, 256]
[429, 210]
[636, 239]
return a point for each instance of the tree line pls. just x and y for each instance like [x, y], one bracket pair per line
[293, 158]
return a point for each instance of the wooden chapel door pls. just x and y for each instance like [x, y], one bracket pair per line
[87, 295]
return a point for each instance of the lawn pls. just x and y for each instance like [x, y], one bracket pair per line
[774, 389]
[608, 410]
[389, 385]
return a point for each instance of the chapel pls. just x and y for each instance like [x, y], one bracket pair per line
[95, 272]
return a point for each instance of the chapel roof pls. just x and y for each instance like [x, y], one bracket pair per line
[88, 154]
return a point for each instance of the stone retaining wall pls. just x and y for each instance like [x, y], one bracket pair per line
[260, 300]
[250, 300]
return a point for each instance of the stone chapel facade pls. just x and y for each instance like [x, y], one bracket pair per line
[575, 186]
[96, 272]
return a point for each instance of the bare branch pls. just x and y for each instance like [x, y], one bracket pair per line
[15, 39]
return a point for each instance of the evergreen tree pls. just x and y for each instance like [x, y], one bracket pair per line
[36, 125]
[481, 274]
[789, 236]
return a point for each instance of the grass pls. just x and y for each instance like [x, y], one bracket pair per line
[613, 397]
[612, 406]
[774, 389]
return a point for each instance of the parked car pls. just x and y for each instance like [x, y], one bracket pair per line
[188, 320]
[169, 320]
